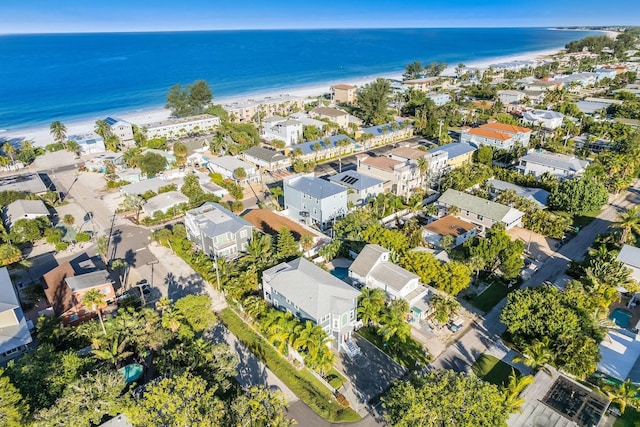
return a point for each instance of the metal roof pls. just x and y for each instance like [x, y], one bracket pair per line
[315, 187]
[213, 220]
[537, 195]
[555, 160]
[355, 180]
[455, 149]
[480, 206]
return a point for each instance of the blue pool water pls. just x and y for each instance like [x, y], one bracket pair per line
[131, 372]
[340, 272]
[621, 317]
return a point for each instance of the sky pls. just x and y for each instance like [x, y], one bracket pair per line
[56, 16]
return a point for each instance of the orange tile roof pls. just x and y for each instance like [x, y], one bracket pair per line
[270, 222]
[382, 162]
[344, 87]
[501, 127]
[488, 133]
[449, 225]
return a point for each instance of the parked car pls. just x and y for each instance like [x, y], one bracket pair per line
[455, 324]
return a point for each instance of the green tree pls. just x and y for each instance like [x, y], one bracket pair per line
[259, 407]
[151, 164]
[413, 70]
[13, 409]
[623, 394]
[286, 246]
[193, 190]
[578, 196]
[28, 230]
[193, 403]
[276, 193]
[484, 155]
[120, 266]
[102, 128]
[373, 102]
[512, 391]
[453, 278]
[422, 263]
[86, 401]
[94, 301]
[470, 402]
[629, 222]
[371, 305]
[180, 151]
[306, 242]
[133, 202]
[197, 312]
[68, 219]
[58, 131]
[444, 308]
[102, 246]
[9, 254]
[190, 100]
[537, 354]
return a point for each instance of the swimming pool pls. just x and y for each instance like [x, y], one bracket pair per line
[131, 372]
[621, 317]
[340, 272]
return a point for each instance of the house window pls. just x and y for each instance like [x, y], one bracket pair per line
[288, 302]
[275, 303]
[480, 218]
[243, 234]
[336, 323]
[73, 317]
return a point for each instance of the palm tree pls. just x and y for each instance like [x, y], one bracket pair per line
[306, 241]
[513, 389]
[423, 167]
[9, 150]
[58, 131]
[276, 193]
[103, 246]
[444, 308]
[163, 304]
[102, 128]
[120, 266]
[255, 307]
[537, 354]
[629, 222]
[476, 263]
[133, 202]
[371, 302]
[279, 327]
[115, 352]
[311, 338]
[624, 394]
[94, 300]
[171, 319]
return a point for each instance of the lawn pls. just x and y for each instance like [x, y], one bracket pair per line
[301, 382]
[410, 355]
[630, 418]
[493, 370]
[490, 297]
[579, 220]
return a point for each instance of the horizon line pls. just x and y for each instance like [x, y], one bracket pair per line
[552, 27]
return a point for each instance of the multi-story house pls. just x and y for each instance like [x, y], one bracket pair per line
[14, 330]
[183, 126]
[360, 187]
[562, 166]
[479, 211]
[121, 129]
[310, 293]
[322, 149]
[400, 177]
[497, 135]
[341, 118]
[546, 119]
[457, 154]
[89, 143]
[65, 285]
[217, 231]
[289, 131]
[342, 93]
[448, 225]
[314, 200]
[426, 84]
[384, 134]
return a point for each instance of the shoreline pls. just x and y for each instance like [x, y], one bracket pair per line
[40, 135]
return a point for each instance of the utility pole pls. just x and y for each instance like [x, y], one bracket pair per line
[440, 123]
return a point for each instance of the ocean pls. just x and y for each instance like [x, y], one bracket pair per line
[49, 77]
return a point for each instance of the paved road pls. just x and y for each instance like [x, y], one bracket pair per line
[484, 336]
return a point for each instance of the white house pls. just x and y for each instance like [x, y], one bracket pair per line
[479, 211]
[545, 118]
[448, 225]
[183, 126]
[563, 166]
[123, 130]
[332, 114]
[164, 201]
[14, 331]
[24, 209]
[360, 187]
[289, 131]
[227, 165]
[508, 97]
[90, 143]
[439, 98]
[310, 199]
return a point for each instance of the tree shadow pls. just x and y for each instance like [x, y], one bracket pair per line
[178, 287]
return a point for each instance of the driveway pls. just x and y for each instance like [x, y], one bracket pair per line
[484, 337]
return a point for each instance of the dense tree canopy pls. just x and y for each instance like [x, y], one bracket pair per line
[578, 196]
[445, 399]
[188, 101]
[151, 164]
[373, 101]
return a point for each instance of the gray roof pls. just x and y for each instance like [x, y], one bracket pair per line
[290, 122]
[308, 286]
[14, 332]
[164, 201]
[142, 187]
[455, 149]
[480, 206]
[330, 112]
[23, 208]
[265, 154]
[214, 220]
[556, 160]
[355, 180]
[87, 281]
[230, 163]
[537, 195]
[315, 187]
[630, 255]
[542, 114]
[28, 182]
[367, 259]
[589, 107]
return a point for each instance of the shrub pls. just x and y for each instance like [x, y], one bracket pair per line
[116, 184]
[83, 236]
[61, 246]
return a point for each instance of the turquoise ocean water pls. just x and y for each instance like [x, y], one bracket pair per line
[76, 76]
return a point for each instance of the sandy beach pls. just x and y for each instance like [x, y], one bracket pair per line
[40, 135]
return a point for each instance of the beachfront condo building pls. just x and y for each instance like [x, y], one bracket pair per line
[344, 94]
[252, 109]
[426, 84]
[178, 127]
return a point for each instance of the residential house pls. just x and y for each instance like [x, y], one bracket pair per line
[345, 94]
[217, 231]
[65, 285]
[400, 177]
[536, 195]
[341, 118]
[478, 211]
[173, 128]
[427, 84]
[325, 148]
[605, 73]
[384, 134]
[436, 161]
[595, 146]
[592, 106]
[546, 119]
[308, 121]
[164, 201]
[121, 129]
[508, 97]
[439, 99]
[630, 257]
[14, 330]
[360, 187]
[228, 165]
[448, 225]
[562, 166]
[373, 268]
[101, 162]
[541, 86]
[266, 158]
[457, 153]
[247, 110]
[289, 131]
[89, 143]
[576, 81]
[497, 135]
[23, 209]
[26, 182]
[271, 222]
[169, 156]
[151, 184]
[314, 200]
[310, 293]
